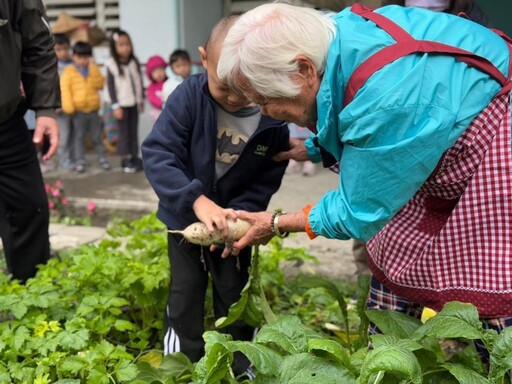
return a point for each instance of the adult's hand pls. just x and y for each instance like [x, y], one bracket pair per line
[297, 151]
[259, 233]
[47, 127]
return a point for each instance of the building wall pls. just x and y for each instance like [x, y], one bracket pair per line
[153, 26]
[197, 19]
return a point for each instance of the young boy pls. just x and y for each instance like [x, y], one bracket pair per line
[80, 85]
[208, 150]
[65, 156]
[181, 66]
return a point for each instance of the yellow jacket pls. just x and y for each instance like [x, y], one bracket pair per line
[80, 94]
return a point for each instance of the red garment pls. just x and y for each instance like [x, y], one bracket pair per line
[453, 239]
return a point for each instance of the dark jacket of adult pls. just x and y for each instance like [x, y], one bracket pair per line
[25, 44]
[179, 158]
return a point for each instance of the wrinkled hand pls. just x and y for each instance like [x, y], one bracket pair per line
[297, 152]
[47, 127]
[259, 233]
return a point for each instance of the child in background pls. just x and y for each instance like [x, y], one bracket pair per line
[155, 71]
[308, 168]
[80, 84]
[181, 66]
[65, 155]
[124, 90]
[208, 150]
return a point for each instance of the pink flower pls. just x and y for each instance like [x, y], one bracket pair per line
[56, 192]
[91, 207]
[47, 188]
[64, 201]
[59, 184]
[51, 204]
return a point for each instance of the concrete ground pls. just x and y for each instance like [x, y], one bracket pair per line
[114, 190]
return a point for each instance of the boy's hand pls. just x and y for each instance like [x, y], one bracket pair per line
[118, 113]
[212, 215]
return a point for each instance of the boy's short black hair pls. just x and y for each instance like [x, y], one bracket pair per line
[61, 38]
[179, 54]
[82, 48]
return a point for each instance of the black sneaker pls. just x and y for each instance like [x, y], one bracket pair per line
[137, 162]
[128, 166]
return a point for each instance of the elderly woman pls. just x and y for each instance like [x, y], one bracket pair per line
[415, 106]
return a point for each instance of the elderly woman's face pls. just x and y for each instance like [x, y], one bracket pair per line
[300, 110]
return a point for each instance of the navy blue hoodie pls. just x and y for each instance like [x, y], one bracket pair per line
[179, 158]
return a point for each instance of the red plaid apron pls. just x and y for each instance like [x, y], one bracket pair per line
[453, 239]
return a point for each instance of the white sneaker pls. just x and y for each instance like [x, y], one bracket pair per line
[308, 169]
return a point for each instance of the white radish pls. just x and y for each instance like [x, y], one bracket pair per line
[198, 233]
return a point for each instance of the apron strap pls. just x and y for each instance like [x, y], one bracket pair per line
[407, 45]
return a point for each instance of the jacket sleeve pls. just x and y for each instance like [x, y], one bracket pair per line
[165, 153]
[39, 63]
[256, 196]
[95, 77]
[153, 97]
[382, 167]
[66, 94]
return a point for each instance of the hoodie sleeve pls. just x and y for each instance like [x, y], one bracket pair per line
[165, 153]
[154, 95]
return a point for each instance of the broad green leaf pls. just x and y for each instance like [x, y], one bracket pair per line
[470, 358]
[394, 323]
[391, 359]
[501, 355]
[176, 365]
[465, 375]
[307, 369]
[358, 357]
[265, 360]
[439, 376]
[453, 321]
[288, 333]
[67, 381]
[379, 341]
[213, 366]
[330, 350]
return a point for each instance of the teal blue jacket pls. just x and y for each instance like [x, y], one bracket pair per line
[390, 138]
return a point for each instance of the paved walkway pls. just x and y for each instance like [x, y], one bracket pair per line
[117, 191]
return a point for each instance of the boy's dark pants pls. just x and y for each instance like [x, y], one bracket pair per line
[184, 316]
[24, 214]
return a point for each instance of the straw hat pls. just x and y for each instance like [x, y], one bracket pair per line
[66, 23]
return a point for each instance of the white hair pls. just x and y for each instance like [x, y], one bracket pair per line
[261, 47]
